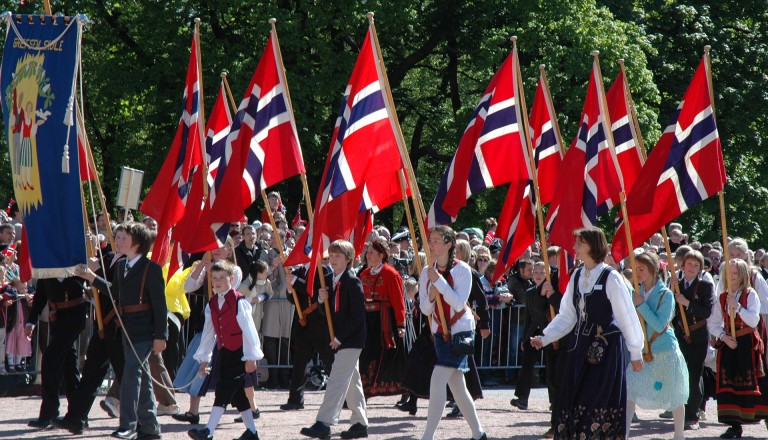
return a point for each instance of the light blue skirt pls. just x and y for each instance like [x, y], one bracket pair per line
[188, 370]
[662, 383]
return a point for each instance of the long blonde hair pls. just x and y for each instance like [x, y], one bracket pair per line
[742, 268]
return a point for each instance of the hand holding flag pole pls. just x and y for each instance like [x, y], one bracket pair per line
[622, 196]
[419, 208]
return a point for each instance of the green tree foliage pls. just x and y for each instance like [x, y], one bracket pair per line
[440, 56]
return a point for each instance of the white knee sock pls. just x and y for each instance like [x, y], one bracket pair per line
[213, 420]
[464, 402]
[437, 397]
[630, 414]
[679, 416]
[247, 416]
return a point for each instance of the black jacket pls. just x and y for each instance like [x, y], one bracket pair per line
[245, 257]
[477, 296]
[699, 293]
[51, 289]
[144, 325]
[349, 320]
[316, 322]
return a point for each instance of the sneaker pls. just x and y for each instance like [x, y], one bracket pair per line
[111, 406]
[167, 410]
[187, 417]
[692, 426]
[357, 430]
[702, 415]
[519, 404]
[200, 434]
[666, 415]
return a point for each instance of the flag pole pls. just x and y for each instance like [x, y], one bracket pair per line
[89, 251]
[47, 4]
[721, 196]
[548, 96]
[415, 193]
[640, 145]
[407, 208]
[622, 196]
[532, 166]
[305, 187]
[302, 320]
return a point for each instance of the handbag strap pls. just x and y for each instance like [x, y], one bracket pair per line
[657, 334]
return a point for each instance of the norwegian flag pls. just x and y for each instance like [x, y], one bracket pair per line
[490, 152]
[588, 176]
[167, 198]
[262, 148]
[684, 168]
[195, 233]
[364, 152]
[547, 148]
[564, 268]
[516, 227]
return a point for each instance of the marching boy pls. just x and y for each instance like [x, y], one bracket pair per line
[228, 323]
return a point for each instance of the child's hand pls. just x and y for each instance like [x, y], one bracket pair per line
[250, 366]
[204, 370]
[322, 294]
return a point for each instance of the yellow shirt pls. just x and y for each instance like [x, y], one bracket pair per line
[175, 295]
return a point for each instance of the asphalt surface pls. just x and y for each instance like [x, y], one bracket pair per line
[499, 420]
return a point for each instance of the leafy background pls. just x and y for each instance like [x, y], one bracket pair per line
[440, 56]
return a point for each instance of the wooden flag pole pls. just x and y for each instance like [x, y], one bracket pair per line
[264, 197]
[310, 214]
[622, 196]
[201, 109]
[407, 208]
[47, 5]
[89, 251]
[721, 196]
[532, 165]
[641, 147]
[409, 168]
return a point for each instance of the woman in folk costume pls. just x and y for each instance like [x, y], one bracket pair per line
[452, 280]
[382, 359]
[663, 383]
[598, 312]
[742, 388]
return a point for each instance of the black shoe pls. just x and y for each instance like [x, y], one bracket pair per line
[248, 435]
[409, 407]
[355, 431]
[73, 426]
[519, 404]
[732, 432]
[110, 409]
[318, 430]
[187, 417]
[200, 434]
[125, 434]
[40, 424]
[403, 400]
[291, 406]
[256, 415]
[143, 436]
[20, 368]
[455, 413]
[483, 437]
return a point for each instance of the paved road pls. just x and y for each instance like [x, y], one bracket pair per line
[499, 419]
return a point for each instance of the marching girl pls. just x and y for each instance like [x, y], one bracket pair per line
[452, 279]
[598, 311]
[663, 383]
[741, 382]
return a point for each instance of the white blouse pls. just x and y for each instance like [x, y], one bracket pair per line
[456, 297]
[251, 343]
[750, 315]
[624, 314]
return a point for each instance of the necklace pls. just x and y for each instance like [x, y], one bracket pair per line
[585, 278]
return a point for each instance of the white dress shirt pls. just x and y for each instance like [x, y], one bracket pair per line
[624, 313]
[455, 296]
[251, 343]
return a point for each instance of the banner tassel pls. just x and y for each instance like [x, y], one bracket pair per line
[65, 160]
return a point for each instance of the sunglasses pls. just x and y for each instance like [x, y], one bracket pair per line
[482, 260]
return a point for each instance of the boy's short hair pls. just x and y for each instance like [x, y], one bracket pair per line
[411, 283]
[345, 248]
[223, 266]
[140, 235]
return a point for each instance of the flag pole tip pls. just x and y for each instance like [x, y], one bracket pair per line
[223, 75]
[707, 48]
[542, 67]
[197, 20]
[369, 15]
[513, 39]
[620, 61]
[272, 20]
[595, 53]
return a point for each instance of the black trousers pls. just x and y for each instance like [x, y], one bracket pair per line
[229, 388]
[555, 360]
[525, 376]
[694, 355]
[59, 364]
[101, 353]
[173, 346]
[306, 342]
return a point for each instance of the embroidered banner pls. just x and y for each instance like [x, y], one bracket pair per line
[40, 61]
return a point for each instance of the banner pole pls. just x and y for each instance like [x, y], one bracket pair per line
[420, 213]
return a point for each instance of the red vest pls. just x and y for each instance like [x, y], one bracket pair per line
[224, 321]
